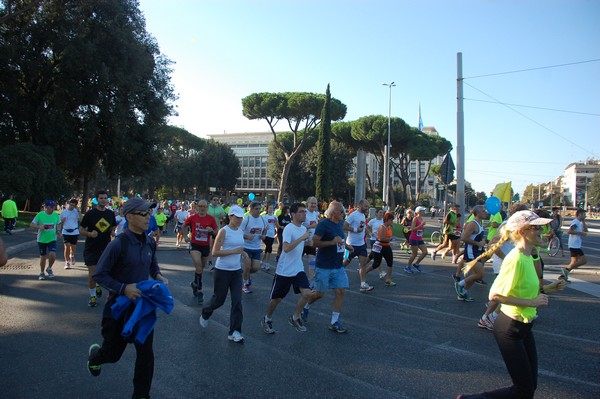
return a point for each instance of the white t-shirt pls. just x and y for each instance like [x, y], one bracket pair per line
[233, 239]
[575, 240]
[312, 218]
[374, 224]
[181, 216]
[270, 222]
[71, 221]
[290, 263]
[356, 219]
[253, 226]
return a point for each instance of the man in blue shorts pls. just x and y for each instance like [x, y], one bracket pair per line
[329, 268]
[47, 222]
[290, 271]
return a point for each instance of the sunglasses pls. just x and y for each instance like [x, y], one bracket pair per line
[142, 214]
[202, 206]
[535, 228]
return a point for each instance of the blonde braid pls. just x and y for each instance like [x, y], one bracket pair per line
[505, 237]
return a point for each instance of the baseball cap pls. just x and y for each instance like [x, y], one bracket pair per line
[420, 209]
[236, 211]
[137, 204]
[49, 203]
[525, 218]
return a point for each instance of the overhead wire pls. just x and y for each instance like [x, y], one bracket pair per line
[533, 69]
[533, 107]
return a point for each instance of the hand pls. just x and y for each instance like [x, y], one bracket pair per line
[131, 291]
[308, 243]
[540, 300]
[305, 235]
[558, 285]
[160, 277]
[93, 234]
[337, 240]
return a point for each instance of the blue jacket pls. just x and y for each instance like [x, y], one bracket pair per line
[155, 294]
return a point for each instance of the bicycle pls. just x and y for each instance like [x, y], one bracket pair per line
[553, 246]
[436, 237]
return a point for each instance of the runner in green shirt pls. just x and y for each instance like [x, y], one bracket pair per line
[47, 223]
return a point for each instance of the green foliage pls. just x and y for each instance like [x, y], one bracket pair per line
[323, 184]
[594, 190]
[36, 177]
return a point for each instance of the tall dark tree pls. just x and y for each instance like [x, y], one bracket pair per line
[85, 78]
[323, 185]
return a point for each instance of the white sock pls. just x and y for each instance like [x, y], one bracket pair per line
[307, 306]
[335, 316]
[93, 291]
[461, 283]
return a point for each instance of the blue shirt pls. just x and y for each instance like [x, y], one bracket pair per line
[330, 257]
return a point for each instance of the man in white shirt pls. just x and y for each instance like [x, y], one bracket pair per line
[70, 221]
[310, 222]
[290, 271]
[254, 228]
[355, 225]
[180, 216]
[577, 230]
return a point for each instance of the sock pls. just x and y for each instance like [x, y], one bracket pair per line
[93, 291]
[267, 318]
[198, 280]
[307, 306]
[461, 283]
[335, 316]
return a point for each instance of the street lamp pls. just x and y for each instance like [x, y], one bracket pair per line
[386, 159]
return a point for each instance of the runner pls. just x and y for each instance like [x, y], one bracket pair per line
[98, 225]
[372, 231]
[272, 226]
[255, 230]
[47, 222]
[180, 215]
[577, 230]
[450, 238]
[161, 219]
[474, 243]
[202, 228]
[283, 220]
[9, 214]
[310, 222]
[383, 250]
[290, 272]
[355, 225]
[70, 222]
[417, 228]
[229, 251]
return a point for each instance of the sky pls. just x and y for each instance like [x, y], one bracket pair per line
[224, 51]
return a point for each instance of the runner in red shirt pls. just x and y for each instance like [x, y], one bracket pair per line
[202, 226]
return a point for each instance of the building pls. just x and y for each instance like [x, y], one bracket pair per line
[252, 150]
[576, 177]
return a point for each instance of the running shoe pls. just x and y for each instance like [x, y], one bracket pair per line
[484, 322]
[236, 337]
[49, 272]
[459, 290]
[337, 327]
[72, 262]
[67, 265]
[267, 326]
[246, 289]
[94, 370]
[455, 277]
[304, 315]
[98, 291]
[465, 297]
[408, 270]
[297, 324]
[390, 283]
[433, 254]
[42, 276]
[382, 275]
[364, 287]
[417, 267]
[194, 288]
[200, 297]
[203, 321]
[480, 282]
[92, 302]
[565, 273]
[265, 266]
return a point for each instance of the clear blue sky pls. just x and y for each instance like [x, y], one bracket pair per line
[226, 50]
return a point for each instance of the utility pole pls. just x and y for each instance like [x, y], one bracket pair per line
[460, 135]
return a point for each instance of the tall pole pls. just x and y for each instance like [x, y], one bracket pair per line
[460, 135]
[386, 159]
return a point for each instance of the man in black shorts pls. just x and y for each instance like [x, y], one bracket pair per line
[98, 226]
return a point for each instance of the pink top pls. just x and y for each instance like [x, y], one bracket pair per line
[417, 234]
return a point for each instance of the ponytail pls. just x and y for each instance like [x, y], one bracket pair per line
[505, 237]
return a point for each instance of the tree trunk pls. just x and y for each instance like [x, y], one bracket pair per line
[84, 200]
[283, 179]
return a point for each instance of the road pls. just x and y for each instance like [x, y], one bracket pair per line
[411, 341]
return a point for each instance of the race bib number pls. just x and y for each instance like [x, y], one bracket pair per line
[256, 230]
[48, 227]
[377, 247]
[419, 233]
[341, 247]
[201, 234]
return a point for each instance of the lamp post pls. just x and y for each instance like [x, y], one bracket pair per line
[386, 159]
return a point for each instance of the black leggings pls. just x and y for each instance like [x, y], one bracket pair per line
[386, 253]
[517, 346]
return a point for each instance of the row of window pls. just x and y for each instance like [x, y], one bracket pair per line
[243, 184]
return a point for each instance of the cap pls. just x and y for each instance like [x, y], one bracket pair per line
[525, 218]
[420, 209]
[137, 204]
[236, 211]
[49, 203]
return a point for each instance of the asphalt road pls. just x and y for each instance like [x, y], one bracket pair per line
[414, 340]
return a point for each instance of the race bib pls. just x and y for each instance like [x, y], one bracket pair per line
[377, 247]
[201, 234]
[341, 247]
[419, 233]
[48, 227]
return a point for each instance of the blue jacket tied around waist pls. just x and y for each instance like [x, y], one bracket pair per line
[155, 294]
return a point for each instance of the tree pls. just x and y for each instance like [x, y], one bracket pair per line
[323, 186]
[594, 190]
[87, 79]
[302, 112]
